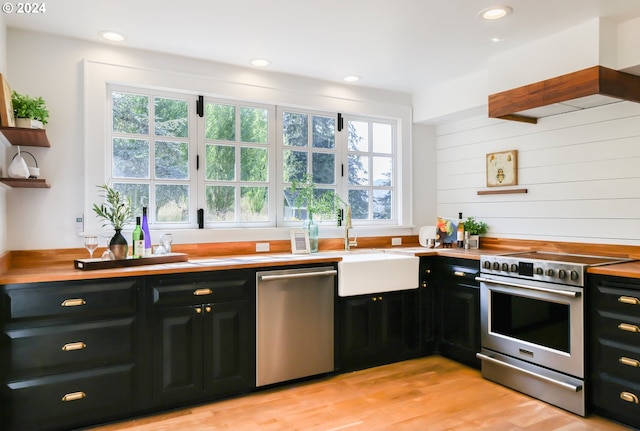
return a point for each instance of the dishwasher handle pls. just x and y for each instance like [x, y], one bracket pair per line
[326, 273]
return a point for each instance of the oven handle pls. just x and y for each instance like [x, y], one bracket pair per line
[524, 286]
[564, 385]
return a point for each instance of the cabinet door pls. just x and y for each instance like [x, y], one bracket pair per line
[398, 332]
[228, 354]
[358, 325]
[177, 354]
[428, 309]
[460, 323]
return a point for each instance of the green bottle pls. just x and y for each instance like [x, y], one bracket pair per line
[138, 241]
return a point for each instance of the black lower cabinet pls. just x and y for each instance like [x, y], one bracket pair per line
[203, 349]
[378, 329]
[429, 316]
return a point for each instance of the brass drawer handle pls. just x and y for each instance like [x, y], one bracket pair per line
[628, 327]
[207, 309]
[198, 310]
[201, 292]
[74, 346]
[629, 397]
[73, 396]
[630, 362]
[73, 302]
[629, 300]
[459, 274]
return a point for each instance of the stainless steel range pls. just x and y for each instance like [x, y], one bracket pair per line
[532, 323]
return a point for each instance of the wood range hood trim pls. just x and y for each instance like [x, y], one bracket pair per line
[597, 81]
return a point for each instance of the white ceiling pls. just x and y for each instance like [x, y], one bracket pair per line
[400, 45]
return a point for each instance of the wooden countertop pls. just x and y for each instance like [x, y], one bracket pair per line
[627, 269]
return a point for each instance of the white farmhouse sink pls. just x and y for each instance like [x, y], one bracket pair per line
[365, 273]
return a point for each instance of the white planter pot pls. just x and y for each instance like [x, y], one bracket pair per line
[474, 241]
[29, 123]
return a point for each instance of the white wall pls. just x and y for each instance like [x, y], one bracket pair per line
[54, 68]
[3, 190]
[580, 169]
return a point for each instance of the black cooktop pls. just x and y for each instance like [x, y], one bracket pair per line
[567, 258]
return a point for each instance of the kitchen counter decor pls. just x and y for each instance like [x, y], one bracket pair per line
[91, 264]
[116, 211]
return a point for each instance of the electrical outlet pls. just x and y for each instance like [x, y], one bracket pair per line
[396, 241]
[262, 247]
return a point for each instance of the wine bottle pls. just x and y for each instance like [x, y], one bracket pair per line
[460, 233]
[147, 234]
[138, 240]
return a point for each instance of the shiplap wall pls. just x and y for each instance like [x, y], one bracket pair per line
[581, 169]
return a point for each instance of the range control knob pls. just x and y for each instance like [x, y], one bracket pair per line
[562, 274]
[539, 271]
[575, 275]
[505, 267]
[486, 264]
[550, 272]
[514, 267]
[496, 266]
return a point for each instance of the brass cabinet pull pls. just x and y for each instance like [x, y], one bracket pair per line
[459, 274]
[629, 397]
[629, 300]
[207, 309]
[198, 310]
[74, 346]
[424, 284]
[628, 327]
[630, 362]
[427, 271]
[73, 396]
[201, 292]
[73, 302]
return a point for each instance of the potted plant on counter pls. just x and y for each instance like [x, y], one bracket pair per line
[30, 112]
[115, 211]
[475, 229]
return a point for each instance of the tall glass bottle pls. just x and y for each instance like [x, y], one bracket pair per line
[147, 234]
[137, 238]
[460, 232]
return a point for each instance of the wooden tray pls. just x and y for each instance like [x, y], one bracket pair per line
[97, 263]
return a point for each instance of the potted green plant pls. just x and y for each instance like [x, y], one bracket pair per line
[475, 229]
[116, 211]
[30, 112]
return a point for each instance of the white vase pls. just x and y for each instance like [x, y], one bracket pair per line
[29, 123]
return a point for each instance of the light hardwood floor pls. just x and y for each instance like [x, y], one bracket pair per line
[427, 394]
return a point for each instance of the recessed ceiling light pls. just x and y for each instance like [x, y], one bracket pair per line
[260, 62]
[351, 78]
[496, 39]
[112, 35]
[495, 12]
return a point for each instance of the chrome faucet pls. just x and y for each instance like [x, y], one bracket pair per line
[348, 225]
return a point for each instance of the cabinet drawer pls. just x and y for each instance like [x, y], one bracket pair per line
[623, 328]
[68, 400]
[462, 270]
[200, 292]
[65, 299]
[618, 300]
[52, 348]
[617, 398]
[617, 359]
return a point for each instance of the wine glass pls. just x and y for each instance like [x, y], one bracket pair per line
[91, 243]
[165, 241]
[107, 254]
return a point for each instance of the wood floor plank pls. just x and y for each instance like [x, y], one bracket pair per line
[426, 394]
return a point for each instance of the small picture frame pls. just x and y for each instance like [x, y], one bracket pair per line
[6, 106]
[502, 169]
[300, 241]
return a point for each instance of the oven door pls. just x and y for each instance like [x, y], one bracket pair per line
[540, 323]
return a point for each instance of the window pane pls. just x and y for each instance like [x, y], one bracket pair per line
[253, 204]
[382, 204]
[220, 122]
[382, 170]
[358, 136]
[172, 203]
[253, 164]
[359, 201]
[138, 193]
[358, 170]
[130, 158]
[172, 160]
[382, 139]
[221, 203]
[253, 125]
[295, 165]
[295, 129]
[324, 130]
[323, 167]
[221, 163]
[130, 113]
[171, 117]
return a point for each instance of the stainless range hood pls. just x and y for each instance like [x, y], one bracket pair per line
[587, 88]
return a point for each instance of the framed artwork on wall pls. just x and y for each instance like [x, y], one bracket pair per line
[6, 107]
[502, 168]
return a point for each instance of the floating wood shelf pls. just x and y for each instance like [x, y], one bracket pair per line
[26, 183]
[501, 192]
[26, 137]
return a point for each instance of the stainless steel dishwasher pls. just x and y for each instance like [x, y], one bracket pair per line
[294, 323]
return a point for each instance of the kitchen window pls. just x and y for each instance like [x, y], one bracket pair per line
[237, 160]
